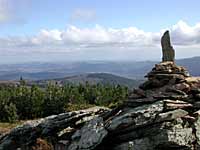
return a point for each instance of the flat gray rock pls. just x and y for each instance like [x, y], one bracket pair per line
[89, 136]
[135, 117]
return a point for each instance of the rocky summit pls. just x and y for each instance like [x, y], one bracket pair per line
[162, 114]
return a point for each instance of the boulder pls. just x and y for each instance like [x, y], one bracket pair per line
[89, 136]
[28, 133]
[139, 116]
[167, 136]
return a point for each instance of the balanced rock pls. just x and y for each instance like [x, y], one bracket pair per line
[167, 49]
[153, 118]
[162, 114]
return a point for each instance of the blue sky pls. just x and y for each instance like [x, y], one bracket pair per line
[96, 29]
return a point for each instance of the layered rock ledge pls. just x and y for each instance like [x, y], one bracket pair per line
[162, 114]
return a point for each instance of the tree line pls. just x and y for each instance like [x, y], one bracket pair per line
[28, 102]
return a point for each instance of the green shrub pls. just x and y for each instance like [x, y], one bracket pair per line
[25, 102]
[8, 111]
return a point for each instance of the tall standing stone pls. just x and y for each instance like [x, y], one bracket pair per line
[167, 49]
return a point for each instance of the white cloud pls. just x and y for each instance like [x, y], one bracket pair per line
[183, 34]
[47, 37]
[105, 41]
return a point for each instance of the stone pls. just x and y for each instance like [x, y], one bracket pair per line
[138, 102]
[166, 73]
[138, 144]
[140, 93]
[168, 68]
[176, 104]
[197, 96]
[197, 105]
[27, 133]
[182, 86]
[193, 80]
[195, 90]
[89, 136]
[171, 115]
[137, 93]
[169, 76]
[139, 116]
[197, 128]
[197, 113]
[162, 114]
[177, 138]
[167, 49]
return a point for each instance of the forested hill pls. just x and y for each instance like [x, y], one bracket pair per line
[129, 69]
[93, 78]
[192, 64]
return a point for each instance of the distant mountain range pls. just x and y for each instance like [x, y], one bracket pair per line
[192, 64]
[93, 78]
[128, 69]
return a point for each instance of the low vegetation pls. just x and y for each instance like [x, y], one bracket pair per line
[24, 102]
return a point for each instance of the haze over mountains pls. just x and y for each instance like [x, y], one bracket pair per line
[91, 78]
[129, 69]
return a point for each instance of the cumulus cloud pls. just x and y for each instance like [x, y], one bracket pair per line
[47, 37]
[108, 40]
[85, 15]
[183, 34]
[101, 35]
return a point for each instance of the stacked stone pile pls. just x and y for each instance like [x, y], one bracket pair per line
[162, 114]
[164, 73]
